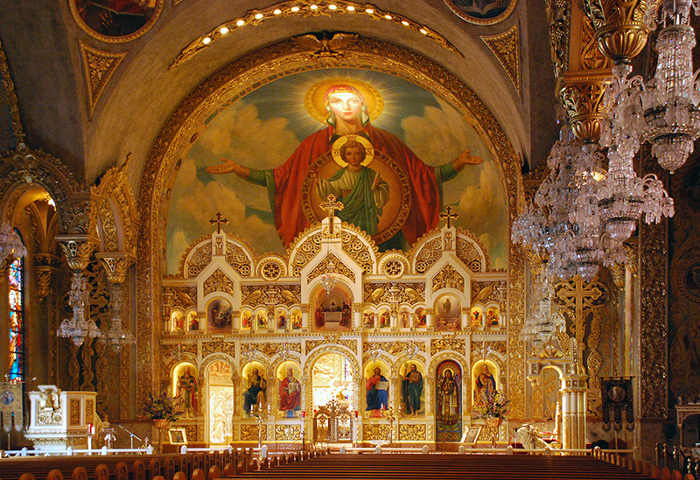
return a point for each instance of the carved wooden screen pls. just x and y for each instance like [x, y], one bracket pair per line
[333, 423]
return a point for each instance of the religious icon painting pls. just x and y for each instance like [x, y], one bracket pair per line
[412, 389]
[421, 318]
[116, 20]
[289, 382]
[261, 320]
[384, 318]
[405, 318]
[368, 319]
[192, 320]
[448, 396]
[333, 310]
[219, 316]
[246, 319]
[177, 321]
[255, 392]
[376, 388]
[374, 176]
[296, 319]
[477, 317]
[281, 319]
[448, 313]
[492, 316]
[484, 380]
[186, 390]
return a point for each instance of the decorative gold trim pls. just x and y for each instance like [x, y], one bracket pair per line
[11, 98]
[98, 67]
[487, 21]
[306, 8]
[582, 97]
[108, 39]
[506, 47]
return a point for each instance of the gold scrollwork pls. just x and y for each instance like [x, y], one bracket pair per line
[620, 29]
[506, 47]
[218, 282]
[412, 432]
[448, 277]
[582, 97]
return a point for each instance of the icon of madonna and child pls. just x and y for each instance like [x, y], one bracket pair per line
[385, 189]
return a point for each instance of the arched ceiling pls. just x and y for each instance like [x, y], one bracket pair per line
[42, 44]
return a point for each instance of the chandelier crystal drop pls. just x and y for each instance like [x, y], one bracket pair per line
[78, 328]
[11, 245]
[328, 282]
[116, 336]
[665, 111]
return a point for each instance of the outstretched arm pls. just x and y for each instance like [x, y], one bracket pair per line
[229, 166]
[465, 158]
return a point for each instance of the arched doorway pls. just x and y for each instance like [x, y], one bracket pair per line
[220, 402]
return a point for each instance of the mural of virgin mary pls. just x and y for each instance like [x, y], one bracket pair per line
[347, 112]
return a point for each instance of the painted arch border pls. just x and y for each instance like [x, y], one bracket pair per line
[242, 76]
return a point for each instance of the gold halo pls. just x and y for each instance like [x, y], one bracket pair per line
[315, 101]
[369, 149]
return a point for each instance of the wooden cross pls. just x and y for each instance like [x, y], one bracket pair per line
[218, 222]
[331, 206]
[449, 215]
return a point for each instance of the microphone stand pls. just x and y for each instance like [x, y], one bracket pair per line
[133, 435]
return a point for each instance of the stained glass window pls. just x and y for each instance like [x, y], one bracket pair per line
[16, 365]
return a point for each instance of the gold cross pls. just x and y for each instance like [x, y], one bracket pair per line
[218, 222]
[581, 296]
[449, 215]
[331, 206]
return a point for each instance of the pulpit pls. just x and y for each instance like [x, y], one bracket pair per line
[61, 419]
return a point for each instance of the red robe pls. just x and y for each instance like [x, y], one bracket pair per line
[425, 195]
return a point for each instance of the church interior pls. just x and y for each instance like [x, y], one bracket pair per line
[438, 223]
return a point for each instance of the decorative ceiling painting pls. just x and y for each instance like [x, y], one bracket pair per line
[392, 154]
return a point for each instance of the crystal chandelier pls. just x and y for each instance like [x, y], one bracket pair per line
[542, 325]
[77, 327]
[328, 282]
[664, 111]
[116, 336]
[11, 245]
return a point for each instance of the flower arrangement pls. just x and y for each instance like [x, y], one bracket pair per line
[161, 407]
[492, 405]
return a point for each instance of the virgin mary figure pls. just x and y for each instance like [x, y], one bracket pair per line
[347, 113]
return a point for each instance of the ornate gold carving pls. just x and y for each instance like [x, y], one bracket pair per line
[183, 297]
[393, 265]
[392, 348]
[290, 433]
[375, 432]
[78, 253]
[98, 67]
[304, 252]
[45, 269]
[228, 348]
[506, 47]
[594, 360]
[331, 264]
[441, 344]
[448, 277]
[411, 293]
[653, 361]
[617, 271]
[74, 412]
[516, 318]
[428, 255]
[272, 268]
[238, 258]
[559, 19]
[591, 57]
[495, 346]
[115, 185]
[11, 98]
[482, 21]
[116, 266]
[485, 292]
[412, 432]
[358, 248]
[255, 295]
[250, 432]
[471, 252]
[619, 25]
[308, 8]
[218, 281]
[262, 66]
[582, 97]
[175, 351]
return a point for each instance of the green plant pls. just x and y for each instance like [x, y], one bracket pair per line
[161, 406]
[492, 405]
